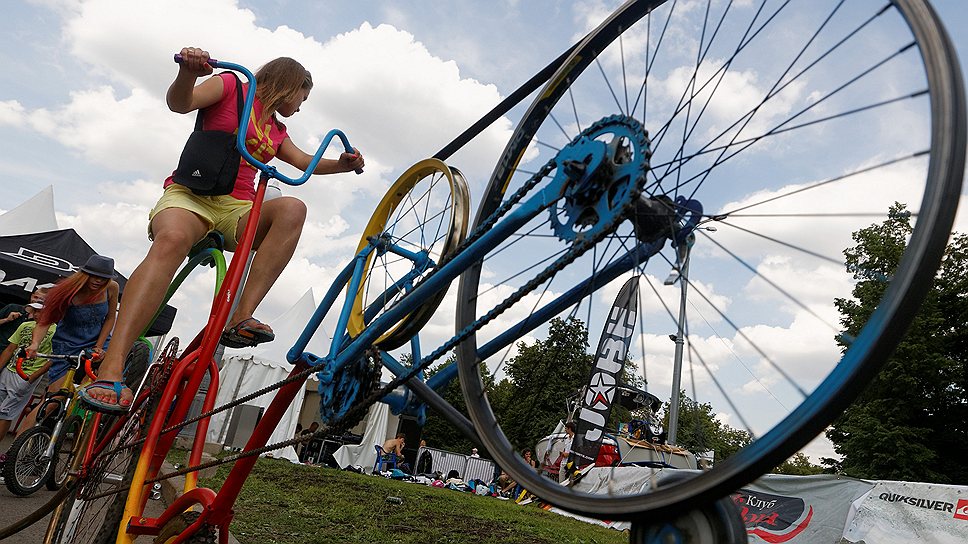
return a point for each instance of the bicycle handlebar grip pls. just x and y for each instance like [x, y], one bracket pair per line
[20, 365]
[346, 145]
[211, 62]
[87, 366]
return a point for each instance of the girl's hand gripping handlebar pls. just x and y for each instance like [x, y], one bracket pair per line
[86, 358]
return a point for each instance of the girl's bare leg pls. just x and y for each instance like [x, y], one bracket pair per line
[280, 226]
[175, 231]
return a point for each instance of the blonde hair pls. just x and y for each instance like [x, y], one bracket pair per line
[279, 81]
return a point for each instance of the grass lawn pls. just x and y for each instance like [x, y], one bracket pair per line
[294, 504]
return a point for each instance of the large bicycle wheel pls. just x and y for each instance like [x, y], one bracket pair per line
[27, 468]
[790, 142]
[66, 447]
[426, 213]
[92, 512]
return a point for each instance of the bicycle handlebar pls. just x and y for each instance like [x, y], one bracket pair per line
[20, 366]
[270, 171]
[82, 356]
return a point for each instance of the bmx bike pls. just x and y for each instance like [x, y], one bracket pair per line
[39, 455]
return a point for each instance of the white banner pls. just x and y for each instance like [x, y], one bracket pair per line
[903, 512]
[820, 509]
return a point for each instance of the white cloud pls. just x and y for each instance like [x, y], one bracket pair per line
[363, 77]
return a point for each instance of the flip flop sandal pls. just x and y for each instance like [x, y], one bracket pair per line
[100, 405]
[243, 336]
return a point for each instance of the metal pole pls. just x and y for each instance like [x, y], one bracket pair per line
[683, 255]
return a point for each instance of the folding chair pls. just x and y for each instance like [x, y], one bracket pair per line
[384, 461]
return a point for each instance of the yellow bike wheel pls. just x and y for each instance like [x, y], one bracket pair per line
[426, 210]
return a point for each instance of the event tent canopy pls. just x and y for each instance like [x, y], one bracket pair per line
[42, 258]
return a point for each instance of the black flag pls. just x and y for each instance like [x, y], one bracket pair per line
[613, 349]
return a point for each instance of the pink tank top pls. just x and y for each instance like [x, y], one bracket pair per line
[262, 140]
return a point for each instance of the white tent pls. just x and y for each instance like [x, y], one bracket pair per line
[34, 215]
[248, 370]
[378, 425]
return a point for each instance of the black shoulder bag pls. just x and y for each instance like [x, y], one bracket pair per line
[209, 163]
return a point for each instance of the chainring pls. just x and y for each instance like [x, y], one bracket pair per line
[605, 169]
[350, 384]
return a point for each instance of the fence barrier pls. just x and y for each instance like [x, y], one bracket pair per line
[467, 467]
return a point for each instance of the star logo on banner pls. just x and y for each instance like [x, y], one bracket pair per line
[600, 391]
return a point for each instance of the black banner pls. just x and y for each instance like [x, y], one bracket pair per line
[41, 259]
[613, 349]
[773, 518]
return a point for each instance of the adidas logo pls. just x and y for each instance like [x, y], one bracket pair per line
[196, 174]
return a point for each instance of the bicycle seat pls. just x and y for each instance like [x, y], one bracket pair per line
[213, 240]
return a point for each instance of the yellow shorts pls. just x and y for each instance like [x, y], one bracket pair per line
[220, 213]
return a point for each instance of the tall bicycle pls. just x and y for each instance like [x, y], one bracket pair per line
[118, 452]
[660, 124]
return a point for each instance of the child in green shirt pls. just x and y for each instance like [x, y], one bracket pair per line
[15, 392]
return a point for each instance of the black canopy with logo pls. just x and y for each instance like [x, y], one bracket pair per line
[43, 258]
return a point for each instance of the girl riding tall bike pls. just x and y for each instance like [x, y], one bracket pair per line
[182, 217]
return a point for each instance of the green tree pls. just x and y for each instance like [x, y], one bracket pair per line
[798, 465]
[911, 422]
[438, 431]
[545, 375]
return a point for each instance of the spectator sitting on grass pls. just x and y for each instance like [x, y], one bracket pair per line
[505, 484]
[453, 478]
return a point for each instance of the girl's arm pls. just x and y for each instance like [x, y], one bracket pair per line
[347, 162]
[40, 331]
[183, 95]
[110, 318]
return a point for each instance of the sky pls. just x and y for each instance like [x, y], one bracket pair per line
[82, 110]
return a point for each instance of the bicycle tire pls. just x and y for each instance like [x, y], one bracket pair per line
[24, 472]
[394, 212]
[66, 445]
[136, 363]
[85, 516]
[936, 67]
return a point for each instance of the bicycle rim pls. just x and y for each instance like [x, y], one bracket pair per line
[26, 470]
[92, 512]
[425, 211]
[791, 143]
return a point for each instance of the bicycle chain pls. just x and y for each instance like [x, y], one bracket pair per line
[472, 237]
[577, 249]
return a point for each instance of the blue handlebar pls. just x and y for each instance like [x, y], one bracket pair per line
[270, 171]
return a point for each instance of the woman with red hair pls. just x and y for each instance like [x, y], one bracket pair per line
[84, 306]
